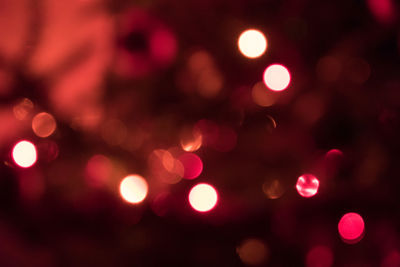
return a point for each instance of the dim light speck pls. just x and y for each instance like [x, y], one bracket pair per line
[43, 124]
[133, 189]
[203, 197]
[24, 154]
[307, 185]
[276, 77]
[252, 43]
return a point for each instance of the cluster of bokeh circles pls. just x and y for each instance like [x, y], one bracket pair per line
[175, 164]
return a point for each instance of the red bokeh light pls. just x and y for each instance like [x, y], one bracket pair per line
[351, 227]
[192, 165]
[307, 185]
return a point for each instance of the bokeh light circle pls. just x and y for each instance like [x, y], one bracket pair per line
[307, 185]
[24, 154]
[351, 227]
[133, 189]
[276, 77]
[252, 43]
[203, 197]
[43, 124]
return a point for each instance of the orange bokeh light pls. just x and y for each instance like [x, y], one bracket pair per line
[43, 124]
[203, 197]
[24, 154]
[133, 188]
[252, 43]
[276, 77]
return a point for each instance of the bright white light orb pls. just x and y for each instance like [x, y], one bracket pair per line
[24, 154]
[252, 43]
[203, 197]
[133, 189]
[276, 77]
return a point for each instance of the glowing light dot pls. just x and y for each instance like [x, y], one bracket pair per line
[276, 77]
[133, 189]
[24, 154]
[192, 164]
[307, 185]
[351, 227]
[252, 43]
[43, 124]
[203, 197]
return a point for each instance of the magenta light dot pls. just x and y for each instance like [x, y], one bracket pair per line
[307, 185]
[351, 227]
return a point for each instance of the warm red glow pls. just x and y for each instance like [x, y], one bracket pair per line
[392, 259]
[43, 124]
[262, 96]
[192, 165]
[24, 154]
[98, 170]
[22, 109]
[133, 189]
[252, 251]
[383, 10]
[319, 256]
[276, 77]
[351, 227]
[252, 43]
[307, 185]
[203, 197]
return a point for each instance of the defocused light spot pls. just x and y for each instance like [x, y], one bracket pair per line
[192, 165]
[253, 252]
[252, 43]
[165, 167]
[351, 227]
[328, 69]
[383, 10]
[48, 150]
[203, 197]
[262, 96]
[276, 77]
[43, 124]
[204, 74]
[24, 154]
[392, 259]
[163, 46]
[98, 170]
[191, 140]
[307, 185]
[333, 153]
[133, 188]
[22, 109]
[273, 189]
[319, 256]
